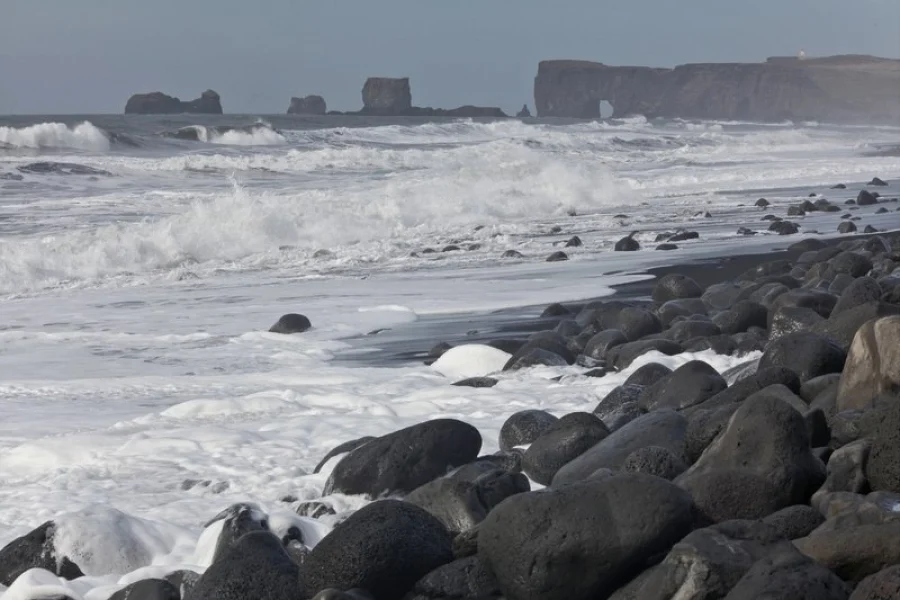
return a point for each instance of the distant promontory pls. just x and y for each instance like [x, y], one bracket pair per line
[157, 103]
[836, 89]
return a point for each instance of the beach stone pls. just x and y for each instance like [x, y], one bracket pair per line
[648, 374]
[808, 354]
[762, 203]
[847, 468]
[148, 589]
[314, 509]
[683, 236]
[459, 580]
[567, 439]
[675, 287]
[627, 244]
[854, 553]
[794, 522]
[853, 263]
[35, 550]
[704, 426]
[795, 211]
[343, 449]
[636, 323]
[664, 428]
[460, 504]
[883, 585]
[384, 548]
[792, 319]
[257, 566]
[873, 364]
[688, 385]
[656, 461]
[524, 427]
[684, 307]
[512, 254]
[623, 355]
[847, 227]
[574, 242]
[758, 380]
[556, 310]
[876, 181]
[811, 389]
[406, 459]
[291, 323]
[785, 574]
[842, 329]
[721, 296]
[820, 301]
[477, 382]
[784, 227]
[534, 357]
[599, 345]
[645, 515]
[883, 466]
[557, 256]
[685, 331]
[239, 520]
[806, 245]
[861, 291]
[620, 406]
[741, 317]
[760, 463]
[667, 246]
[866, 198]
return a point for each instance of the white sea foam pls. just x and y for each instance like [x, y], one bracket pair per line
[56, 135]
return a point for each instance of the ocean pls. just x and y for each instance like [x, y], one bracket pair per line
[143, 260]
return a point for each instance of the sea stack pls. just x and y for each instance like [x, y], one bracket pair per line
[157, 103]
[386, 96]
[310, 105]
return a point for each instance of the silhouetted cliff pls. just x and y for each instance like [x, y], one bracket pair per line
[860, 89]
[157, 103]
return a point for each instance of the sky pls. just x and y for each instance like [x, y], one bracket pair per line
[89, 56]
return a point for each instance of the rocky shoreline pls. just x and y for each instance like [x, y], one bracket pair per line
[777, 479]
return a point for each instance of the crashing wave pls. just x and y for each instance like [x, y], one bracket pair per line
[85, 136]
[258, 134]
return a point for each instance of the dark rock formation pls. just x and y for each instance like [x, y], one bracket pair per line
[157, 103]
[524, 113]
[831, 89]
[310, 105]
[386, 96]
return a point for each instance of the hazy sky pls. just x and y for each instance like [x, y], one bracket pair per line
[89, 56]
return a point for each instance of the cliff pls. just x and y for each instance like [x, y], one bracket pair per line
[838, 89]
[310, 105]
[157, 103]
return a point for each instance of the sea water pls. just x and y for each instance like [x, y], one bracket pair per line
[143, 259]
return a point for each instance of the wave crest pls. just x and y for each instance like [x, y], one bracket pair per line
[85, 136]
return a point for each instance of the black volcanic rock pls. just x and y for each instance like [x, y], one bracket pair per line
[157, 103]
[309, 105]
[524, 113]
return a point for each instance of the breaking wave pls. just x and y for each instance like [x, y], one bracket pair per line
[84, 136]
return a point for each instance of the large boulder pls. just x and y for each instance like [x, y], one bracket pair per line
[308, 105]
[860, 291]
[238, 520]
[636, 323]
[459, 580]
[148, 589]
[854, 553]
[620, 406]
[685, 307]
[257, 566]
[760, 463]
[599, 345]
[386, 96]
[623, 355]
[157, 103]
[741, 317]
[842, 328]
[883, 585]
[873, 364]
[343, 449]
[523, 427]
[566, 440]
[792, 319]
[35, 550]
[384, 548]
[808, 354]
[404, 460]
[461, 504]
[690, 384]
[883, 466]
[663, 428]
[785, 574]
[706, 564]
[675, 287]
[603, 533]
